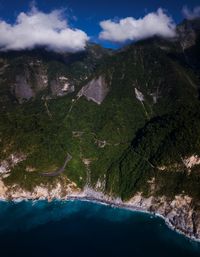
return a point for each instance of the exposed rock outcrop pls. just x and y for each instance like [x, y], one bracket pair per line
[187, 35]
[191, 161]
[61, 86]
[61, 190]
[139, 95]
[179, 212]
[10, 162]
[22, 89]
[29, 81]
[96, 90]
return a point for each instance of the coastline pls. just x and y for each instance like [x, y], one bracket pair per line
[113, 203]
[134, 209]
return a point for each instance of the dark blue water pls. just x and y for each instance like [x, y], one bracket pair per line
[59, 229]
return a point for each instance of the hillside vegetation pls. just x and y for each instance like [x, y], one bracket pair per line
[144, 128]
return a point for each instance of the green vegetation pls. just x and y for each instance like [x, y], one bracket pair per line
[163, 142]
[121, 142]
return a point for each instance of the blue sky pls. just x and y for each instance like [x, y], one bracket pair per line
[86, 14]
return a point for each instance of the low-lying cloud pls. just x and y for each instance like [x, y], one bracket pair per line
[153, 24]
[37, 28]
[191, 14]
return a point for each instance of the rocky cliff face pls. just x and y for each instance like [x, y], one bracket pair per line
[61, 190]
[137, 145]
[187, 33]
[179, 212]
[61, 86]
[28, 75]
[96, 90]
[28, 81]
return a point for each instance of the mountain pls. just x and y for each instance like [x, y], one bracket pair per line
[26, 74]
[122, 123]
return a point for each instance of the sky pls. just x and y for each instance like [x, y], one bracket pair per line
[110, 23]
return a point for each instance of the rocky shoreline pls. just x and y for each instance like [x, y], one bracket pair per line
[140, 204]
[137, 209]
[178, 213]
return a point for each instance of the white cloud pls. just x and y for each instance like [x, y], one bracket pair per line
[191, 14]
[155, 23]
[36, 28]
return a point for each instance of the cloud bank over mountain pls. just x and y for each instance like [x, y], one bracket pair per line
[37, 28]
[153, 24]
[52, 30]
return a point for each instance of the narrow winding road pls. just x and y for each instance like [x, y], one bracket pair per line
[60, 170]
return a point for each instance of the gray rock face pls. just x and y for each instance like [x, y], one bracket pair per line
[29, 81]
[96, 90]
[61, 86]
[22, 89]
[41, 81]
[187, 32]
[187, 37]
[179, 212]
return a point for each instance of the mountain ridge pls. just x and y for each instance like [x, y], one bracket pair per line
[129, 119]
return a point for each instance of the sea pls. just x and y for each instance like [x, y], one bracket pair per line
[82, 228]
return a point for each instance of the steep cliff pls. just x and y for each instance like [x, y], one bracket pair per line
[129, 119]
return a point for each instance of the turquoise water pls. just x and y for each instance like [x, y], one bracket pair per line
[77, 228]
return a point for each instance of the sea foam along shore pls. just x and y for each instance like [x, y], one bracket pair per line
[139, 204]
[133, 208]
